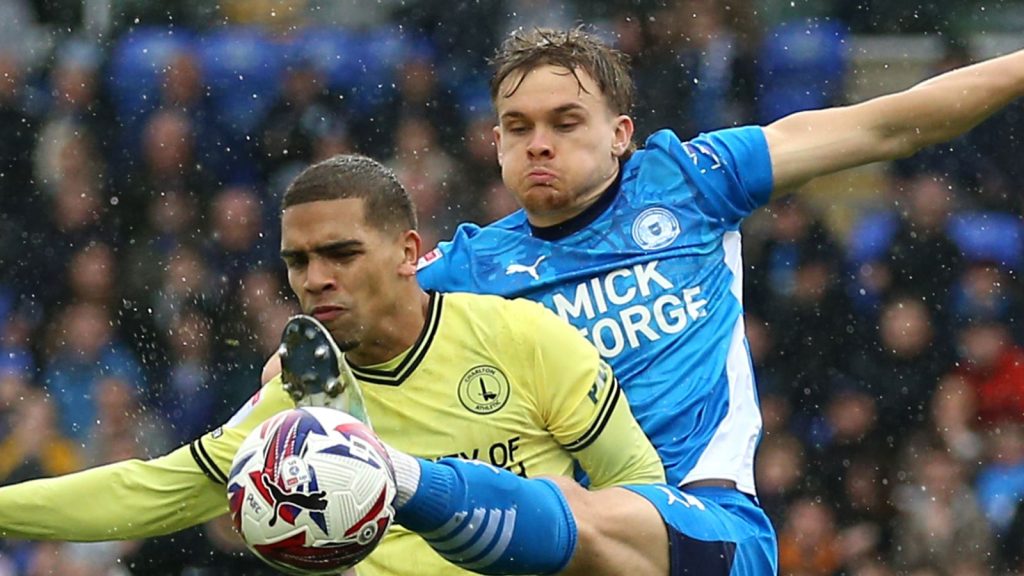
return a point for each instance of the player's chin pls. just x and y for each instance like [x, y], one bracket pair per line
[346, 345]
[343, 334]
[544, 199]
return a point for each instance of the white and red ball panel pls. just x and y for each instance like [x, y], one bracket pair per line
[310, 491]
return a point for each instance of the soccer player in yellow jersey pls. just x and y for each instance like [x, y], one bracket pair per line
[460, 375]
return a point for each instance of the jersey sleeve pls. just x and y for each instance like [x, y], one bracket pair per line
[123, 501]
[730, 170]
[214, 451]
[135, 498]
[448, 267]
[584, 407]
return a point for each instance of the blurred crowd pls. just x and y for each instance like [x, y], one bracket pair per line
[140, 291]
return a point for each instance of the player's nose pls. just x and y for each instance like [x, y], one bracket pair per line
[318, 276]
[540, 143]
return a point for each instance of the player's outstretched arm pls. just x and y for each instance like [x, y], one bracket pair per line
[122, 501]
[134, 498]
[809, 144]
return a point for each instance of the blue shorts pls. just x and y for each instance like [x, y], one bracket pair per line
[714, 531]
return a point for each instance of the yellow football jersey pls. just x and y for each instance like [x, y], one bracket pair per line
[505, 382]
[508, 383]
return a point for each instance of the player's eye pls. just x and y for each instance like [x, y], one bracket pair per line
[516, 129]
[567, 126]
[295, 262]
[341, 255]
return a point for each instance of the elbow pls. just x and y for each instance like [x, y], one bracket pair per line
[900, 146]
[906, 142]
[905, 151]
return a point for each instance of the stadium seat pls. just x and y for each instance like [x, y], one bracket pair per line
[137, 64]
[335, 52]
[474, 97]
[384, 50]
[990, 237]
[871, 236]
[362, 65]
[801, 67]
[242, 67]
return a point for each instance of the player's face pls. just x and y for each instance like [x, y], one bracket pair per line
[346, 273]
[558, 145]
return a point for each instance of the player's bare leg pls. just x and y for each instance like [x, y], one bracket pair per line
[618, 532]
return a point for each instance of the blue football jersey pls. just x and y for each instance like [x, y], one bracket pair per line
[652, 274]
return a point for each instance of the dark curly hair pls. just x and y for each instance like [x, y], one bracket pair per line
[387, 203]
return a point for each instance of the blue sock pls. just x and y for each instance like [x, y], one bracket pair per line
[489, 520]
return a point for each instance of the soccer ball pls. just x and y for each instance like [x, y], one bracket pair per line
[311, 491]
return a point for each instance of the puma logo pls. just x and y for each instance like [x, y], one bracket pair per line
[312, 501]
[531, 270]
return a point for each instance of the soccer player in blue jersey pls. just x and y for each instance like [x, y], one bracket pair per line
[640, 250]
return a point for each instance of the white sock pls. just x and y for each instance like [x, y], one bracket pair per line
[407, 475]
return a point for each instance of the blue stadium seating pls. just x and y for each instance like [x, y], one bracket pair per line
[137, 65]
[870, 238]
[474, 96]
[801, 67]
[990, 237]
[336, 53]
[981, 236]
[386, 48]
[384, 51]
[360, 65]
[242, 67]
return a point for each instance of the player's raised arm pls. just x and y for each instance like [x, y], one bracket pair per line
[809, 144]
[135, 498]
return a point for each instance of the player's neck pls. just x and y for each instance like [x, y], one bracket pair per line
[398, 331]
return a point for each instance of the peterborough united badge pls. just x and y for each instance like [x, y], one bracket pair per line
[655, 228]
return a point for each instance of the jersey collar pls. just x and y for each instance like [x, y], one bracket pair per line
[583, 219]
[396, 375]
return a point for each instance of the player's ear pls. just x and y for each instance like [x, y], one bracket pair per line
[623, 135]
[497, 142]
[411, 243]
